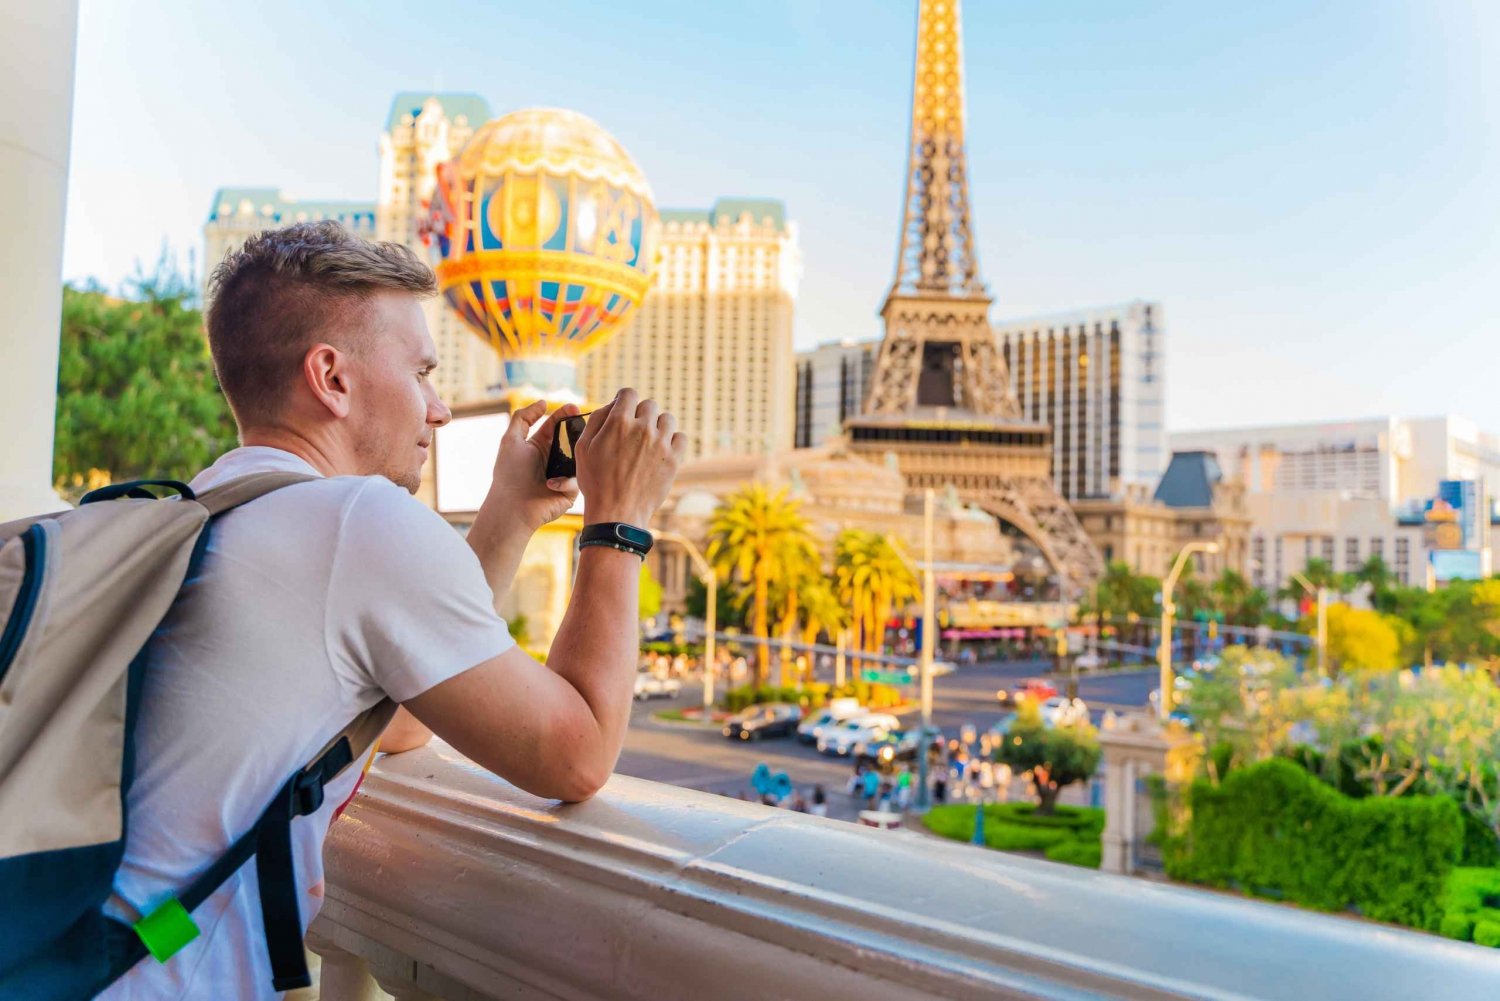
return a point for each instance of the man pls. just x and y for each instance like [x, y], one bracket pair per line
[320, 599]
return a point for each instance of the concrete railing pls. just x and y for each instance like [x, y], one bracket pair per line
[446, 882]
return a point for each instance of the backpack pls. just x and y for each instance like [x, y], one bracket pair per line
[82, 592]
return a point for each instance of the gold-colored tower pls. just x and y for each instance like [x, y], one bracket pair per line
[940, 402]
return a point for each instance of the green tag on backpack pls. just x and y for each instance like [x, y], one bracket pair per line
[166, 930]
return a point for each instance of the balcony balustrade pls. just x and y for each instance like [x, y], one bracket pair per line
[446, 882]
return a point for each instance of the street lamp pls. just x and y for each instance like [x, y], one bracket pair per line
[1164, 701]
[710, 616]
[1322, 595]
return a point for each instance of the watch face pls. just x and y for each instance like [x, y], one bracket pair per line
[634, 536]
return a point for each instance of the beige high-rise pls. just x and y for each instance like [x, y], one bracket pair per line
[422, 131]
[713, 341]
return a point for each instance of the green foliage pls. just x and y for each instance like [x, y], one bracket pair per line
[1069, 835]
[1056, 756]
[1273, 830]
[520, 627]
[1471, 898]
[872, 695]
[1487, 933]
[1088, 854]
[136, 393]
[696, 602]
[1457, 926]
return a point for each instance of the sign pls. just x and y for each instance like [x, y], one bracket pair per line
[886, 677]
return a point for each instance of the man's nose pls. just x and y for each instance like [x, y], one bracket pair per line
[438, 413]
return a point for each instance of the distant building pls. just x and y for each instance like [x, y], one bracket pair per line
[713, 341]
[1192, 502]
[421, 131]
[832, 383]
[1098, 378]
[239, 213]
[1395, 459]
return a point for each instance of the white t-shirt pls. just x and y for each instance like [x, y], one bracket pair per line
[311, 604]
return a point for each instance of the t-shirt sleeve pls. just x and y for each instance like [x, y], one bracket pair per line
[408, 602]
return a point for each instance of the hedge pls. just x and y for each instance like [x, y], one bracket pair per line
[813, 695]
[1273, 830]
[1470, 899]
[1084, 853]
[1071, 835]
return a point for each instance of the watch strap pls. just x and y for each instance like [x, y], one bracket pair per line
[618, 535]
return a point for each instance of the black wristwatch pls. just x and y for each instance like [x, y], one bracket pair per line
[617, 535]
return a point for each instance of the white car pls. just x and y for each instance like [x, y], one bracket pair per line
[1061, 711]
[648, 685]
[841, 739]
[825, 720]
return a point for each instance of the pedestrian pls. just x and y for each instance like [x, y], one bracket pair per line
[872, 786]
[799, 803]
[885, 797]
[819, 807]
[331, 595]
[903, 790]
[986, 780]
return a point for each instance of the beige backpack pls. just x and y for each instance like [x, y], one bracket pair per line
[82, 592]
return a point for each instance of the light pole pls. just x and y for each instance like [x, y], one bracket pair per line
[710, 615]
[1322, 595]
[1164, 655]
[929, 624]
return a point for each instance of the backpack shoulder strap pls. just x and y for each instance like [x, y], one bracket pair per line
[167, 928]
[247, 488]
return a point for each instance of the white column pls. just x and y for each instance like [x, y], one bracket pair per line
[36, 112]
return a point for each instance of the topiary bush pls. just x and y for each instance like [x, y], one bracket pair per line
[1471, 897]
[1273, 830]
[1487, 933]
[1084, 853]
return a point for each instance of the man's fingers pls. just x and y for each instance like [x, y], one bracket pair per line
[679, 445]
[564, 485]
[647, 412]
[548, 430]
[521, 420]
[666, 424]
[625, 402]
[594, 423]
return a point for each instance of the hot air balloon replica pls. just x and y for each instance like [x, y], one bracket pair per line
[544, 237]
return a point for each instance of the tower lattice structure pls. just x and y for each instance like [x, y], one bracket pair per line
[940, 402]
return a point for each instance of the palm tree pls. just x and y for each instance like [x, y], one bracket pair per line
[873, 579]
[808, 606]
[757, 537]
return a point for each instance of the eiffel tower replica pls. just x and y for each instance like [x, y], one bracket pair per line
[940, 400]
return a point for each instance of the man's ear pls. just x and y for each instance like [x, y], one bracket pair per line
[327, 372]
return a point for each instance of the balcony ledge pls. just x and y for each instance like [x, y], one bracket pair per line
[446, 881]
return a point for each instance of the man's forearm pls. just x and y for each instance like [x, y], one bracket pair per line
[598, 643]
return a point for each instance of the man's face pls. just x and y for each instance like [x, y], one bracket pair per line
[395, 408]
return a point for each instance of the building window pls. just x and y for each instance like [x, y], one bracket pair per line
[1403, 561]
[1351, 554]
[1327, 549]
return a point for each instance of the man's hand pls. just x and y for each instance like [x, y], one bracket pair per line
[627, 459]
[519, 487]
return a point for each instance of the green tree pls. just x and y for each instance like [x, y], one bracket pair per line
[1359, 639]
[757, 536]
[1120, 593]
[696, 602]
[874, 580]
[1241, 603]
[136, 393]
[1056, 756]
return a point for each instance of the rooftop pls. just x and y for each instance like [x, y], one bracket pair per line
[270, 203]
[471, 106]
[729, 210]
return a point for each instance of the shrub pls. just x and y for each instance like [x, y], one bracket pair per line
[1271, 829]
[1084, 853]
[813, 696]
[1487, 933]
[1016, 827]
[1457, 926]
[1018, 838]
[1481, 849]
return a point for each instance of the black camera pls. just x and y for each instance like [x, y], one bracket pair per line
[561, 461]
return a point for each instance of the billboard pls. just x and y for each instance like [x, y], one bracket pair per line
[1456, 564]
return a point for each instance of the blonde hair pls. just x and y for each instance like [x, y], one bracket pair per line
[288, 289]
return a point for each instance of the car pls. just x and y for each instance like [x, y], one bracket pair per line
[1028, 688]
[831, 715]
[841, 739]
[882, 753]
[649, 686]
[768, 719]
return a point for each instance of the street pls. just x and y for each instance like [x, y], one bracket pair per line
[698, 756]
